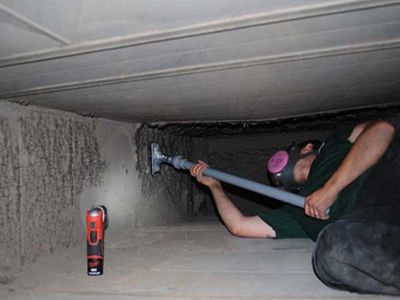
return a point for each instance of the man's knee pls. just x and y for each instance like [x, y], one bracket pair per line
[355, 256]
[329, 255]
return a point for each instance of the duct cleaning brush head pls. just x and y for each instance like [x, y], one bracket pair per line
[156, 158]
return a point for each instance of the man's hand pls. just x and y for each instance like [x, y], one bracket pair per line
[197, 171]
[318, 202]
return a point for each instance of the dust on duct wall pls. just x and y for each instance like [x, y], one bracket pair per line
[47, 159]
[167, 195]
[10, 208]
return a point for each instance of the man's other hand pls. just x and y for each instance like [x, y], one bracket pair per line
[319, 202]
[197, 171]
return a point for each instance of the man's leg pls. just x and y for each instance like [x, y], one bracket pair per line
[362, 252]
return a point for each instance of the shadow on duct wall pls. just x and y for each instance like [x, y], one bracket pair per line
[45, 162]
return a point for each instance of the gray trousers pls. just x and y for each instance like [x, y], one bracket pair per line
[362, 252]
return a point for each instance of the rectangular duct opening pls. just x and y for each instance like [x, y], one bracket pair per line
[165, 238]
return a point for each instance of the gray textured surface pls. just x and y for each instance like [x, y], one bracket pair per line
[54, 165]
[133, 197]
[200, 61]
[168, 193]
[323, 121]
[10, 208]
[46, 160]
[196, 260]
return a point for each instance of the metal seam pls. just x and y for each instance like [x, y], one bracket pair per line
[33, 25]
[212, 67]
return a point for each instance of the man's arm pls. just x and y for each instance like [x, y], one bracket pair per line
[370, 141]
[234, 220]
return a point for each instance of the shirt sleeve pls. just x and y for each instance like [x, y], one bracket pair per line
[340, 135]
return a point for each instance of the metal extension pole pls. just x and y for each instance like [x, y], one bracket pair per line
[180, 163]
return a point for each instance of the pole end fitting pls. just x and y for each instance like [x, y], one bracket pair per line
[177, 162]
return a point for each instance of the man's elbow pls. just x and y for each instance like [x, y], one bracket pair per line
[236, 230]
[240, 230]
[381, 127]
[384, 130]
[384, 126]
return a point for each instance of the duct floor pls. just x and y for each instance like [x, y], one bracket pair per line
[197, 260]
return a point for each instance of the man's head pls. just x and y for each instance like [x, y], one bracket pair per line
[289, 168]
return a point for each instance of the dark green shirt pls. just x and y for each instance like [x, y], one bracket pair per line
[327, 162]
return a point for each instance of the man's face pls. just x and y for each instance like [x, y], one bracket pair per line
[303, 166]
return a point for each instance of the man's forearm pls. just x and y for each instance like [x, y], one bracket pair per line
[227, 210]
[367, 149]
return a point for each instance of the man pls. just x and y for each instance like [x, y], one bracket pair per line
[349, 174]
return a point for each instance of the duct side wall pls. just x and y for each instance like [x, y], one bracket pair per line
[45, 163]
[53, 166]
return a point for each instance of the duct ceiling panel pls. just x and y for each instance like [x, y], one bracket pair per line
[200, 60]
